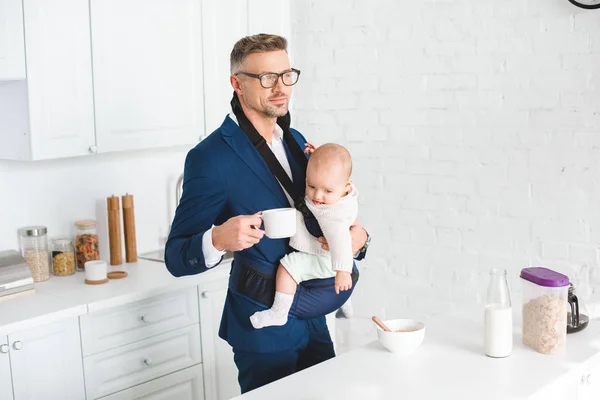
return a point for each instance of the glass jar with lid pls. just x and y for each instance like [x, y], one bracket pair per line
[86, 242]
[63, 257]
[33, 241]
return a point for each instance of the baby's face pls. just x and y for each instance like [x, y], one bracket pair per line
[326, 185]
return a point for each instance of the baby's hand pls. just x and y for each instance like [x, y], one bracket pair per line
[310, 148]
[343, 281]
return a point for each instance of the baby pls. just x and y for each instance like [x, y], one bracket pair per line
[332, 198]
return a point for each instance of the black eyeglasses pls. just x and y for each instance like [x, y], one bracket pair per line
[269, 79]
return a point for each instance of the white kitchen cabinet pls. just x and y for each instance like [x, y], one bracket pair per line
[12, 40]
[220, 372]
[217, 45]
[46, 362]
[183, 385]
[126, 366]
[6, 392]
[130, 323]
[240, 18]
[51, 114]
[115, 75]
[147, 61]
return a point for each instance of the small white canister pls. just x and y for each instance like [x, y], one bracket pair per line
[95, 272]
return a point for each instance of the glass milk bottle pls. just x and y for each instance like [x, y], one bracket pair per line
[498, 336]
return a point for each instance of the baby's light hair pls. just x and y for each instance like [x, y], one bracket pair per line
[332, 153]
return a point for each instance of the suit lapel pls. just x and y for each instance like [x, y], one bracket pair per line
[241, 145]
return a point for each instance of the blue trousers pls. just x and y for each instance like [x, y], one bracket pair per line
[259, 369]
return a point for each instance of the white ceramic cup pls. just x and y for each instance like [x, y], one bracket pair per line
[279, 222]
[96, 270]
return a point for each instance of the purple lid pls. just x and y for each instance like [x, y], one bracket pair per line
[544, 277]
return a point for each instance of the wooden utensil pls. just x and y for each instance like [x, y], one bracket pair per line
[381, 324]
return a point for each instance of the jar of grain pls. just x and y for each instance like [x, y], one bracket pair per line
[86, 243]
[63, 257]
[33, 241]
[545, 310]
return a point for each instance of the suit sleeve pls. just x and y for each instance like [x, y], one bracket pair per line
[203, 199]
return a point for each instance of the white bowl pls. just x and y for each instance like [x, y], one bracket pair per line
[407, 340]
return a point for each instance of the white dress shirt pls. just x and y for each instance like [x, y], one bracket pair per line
[212, 256]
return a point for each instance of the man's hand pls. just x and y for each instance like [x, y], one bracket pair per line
[359, 238]
[238, 233]
[310, 148]
[343, 281]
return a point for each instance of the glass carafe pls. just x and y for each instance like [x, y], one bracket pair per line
[498, 336]
[578, 316]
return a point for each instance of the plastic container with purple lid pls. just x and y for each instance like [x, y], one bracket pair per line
[545, 295]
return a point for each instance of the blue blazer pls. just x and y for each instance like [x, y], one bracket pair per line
[225, 176]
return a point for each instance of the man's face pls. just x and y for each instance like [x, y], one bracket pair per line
[272, 102]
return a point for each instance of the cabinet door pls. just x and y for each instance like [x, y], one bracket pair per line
[6, 390]
[12, 44]
[270, 16]
[220, 372]
[241, 19]
[46, 362]
[59, 78]
[217, 45]
[147, 58]
[182, 385]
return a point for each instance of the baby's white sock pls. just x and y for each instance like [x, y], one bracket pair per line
[277, 315]
[345, 311]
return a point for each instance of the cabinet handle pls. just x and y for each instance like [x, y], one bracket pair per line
[18, 345]
[4, 349]
[93, 149]
[589, 379]
[144, 319]
[206, 295]
[148, 361]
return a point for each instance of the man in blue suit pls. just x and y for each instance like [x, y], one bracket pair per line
[227, 183]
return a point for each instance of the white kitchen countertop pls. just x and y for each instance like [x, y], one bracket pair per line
[449, 364]
[63, 297]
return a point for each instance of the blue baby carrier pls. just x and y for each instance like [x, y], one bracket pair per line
[255, 278]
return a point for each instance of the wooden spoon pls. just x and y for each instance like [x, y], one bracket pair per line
[381, 324]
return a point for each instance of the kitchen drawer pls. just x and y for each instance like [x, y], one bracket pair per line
[182, 385]
[142, 319]
[140, 362]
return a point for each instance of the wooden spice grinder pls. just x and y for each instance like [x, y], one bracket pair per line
[114, 230]
[129, 227]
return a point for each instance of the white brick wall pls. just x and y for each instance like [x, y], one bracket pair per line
[475, 132]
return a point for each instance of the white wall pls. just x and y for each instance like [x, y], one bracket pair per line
[56, 193]
[475, 131]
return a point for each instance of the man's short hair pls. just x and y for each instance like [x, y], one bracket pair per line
[260, 43]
